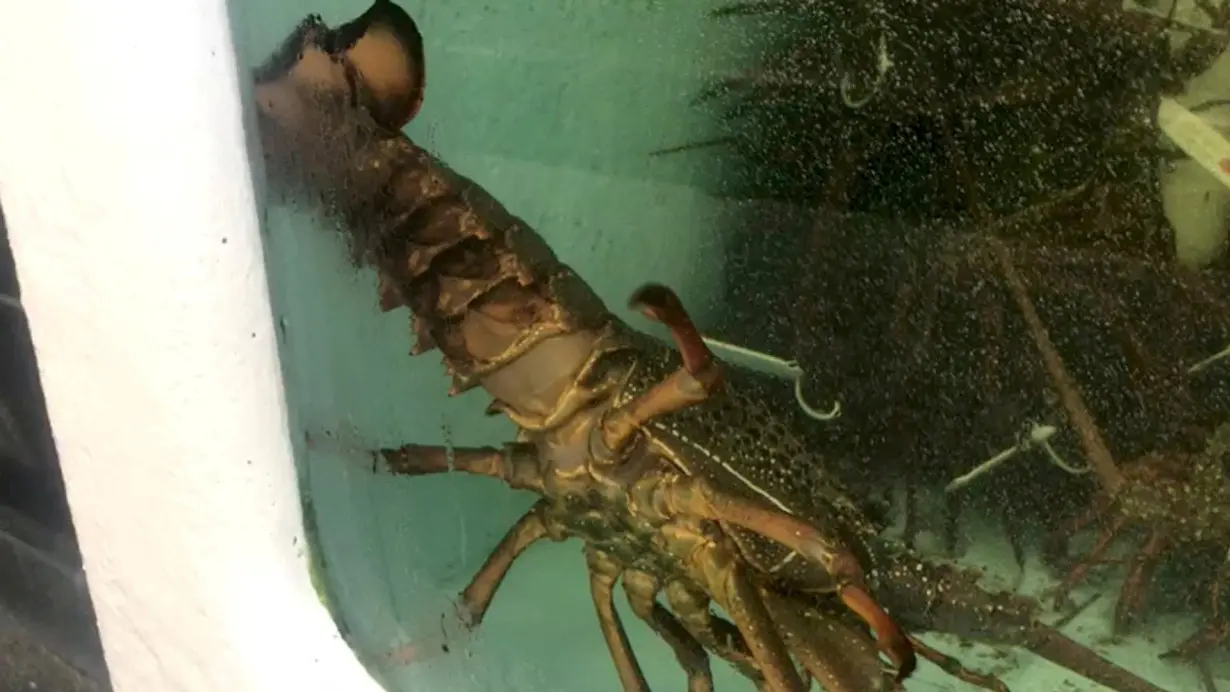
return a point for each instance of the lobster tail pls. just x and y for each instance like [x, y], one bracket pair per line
[377, 57]
[484, 287]
[385, 47]
[312, 134]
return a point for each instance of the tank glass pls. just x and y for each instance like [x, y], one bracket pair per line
[764, 345]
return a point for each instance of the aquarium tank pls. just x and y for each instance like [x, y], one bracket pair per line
[756, 345]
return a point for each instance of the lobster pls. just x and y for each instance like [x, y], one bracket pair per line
[681, 475]
[1181, 500]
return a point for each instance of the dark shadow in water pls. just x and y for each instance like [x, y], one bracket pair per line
[48, 635]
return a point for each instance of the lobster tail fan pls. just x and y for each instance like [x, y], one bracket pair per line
[377, 58]
[329, 98]
[386, 49]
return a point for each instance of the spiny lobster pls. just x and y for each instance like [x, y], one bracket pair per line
[681, 475]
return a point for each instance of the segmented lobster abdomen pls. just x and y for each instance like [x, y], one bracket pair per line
[484, 287]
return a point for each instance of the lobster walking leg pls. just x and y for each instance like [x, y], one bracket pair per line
[516, 464]
[476, 598]
[728, 581]
[642, 590]
[839, 657]
[1132, 596]
[603, 573]
[717, 634]
[1078, 573]
[690, 385]
[1204, 639]
[660, 304]
[514, 461]
[694, 497]
[953, 667]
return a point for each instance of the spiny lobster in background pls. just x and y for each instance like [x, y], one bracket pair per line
[981, 239]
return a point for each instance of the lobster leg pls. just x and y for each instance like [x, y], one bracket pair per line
[953, 667]
[839, 657]
[728, 581]
[516, 464]
[1132, 595]
[717, 634]
[660, 304]
[911, 516]
[1204, 639]
[690, 385]
[1081, 570]
[693, 496]
[603, 573]
[642, 590]
[476, 598]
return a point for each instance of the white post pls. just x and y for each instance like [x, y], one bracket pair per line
[125, 182]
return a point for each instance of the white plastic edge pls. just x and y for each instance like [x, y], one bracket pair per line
[126, 188]
[1196, 137]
